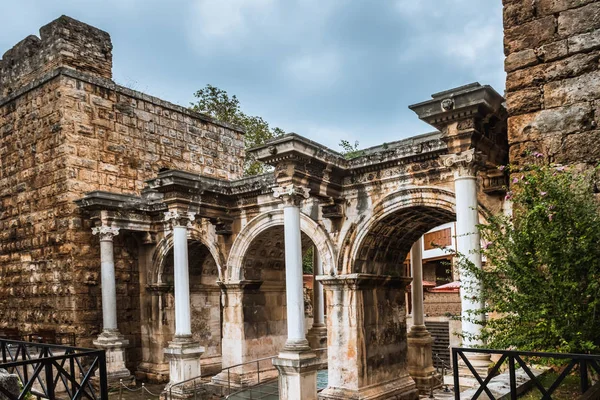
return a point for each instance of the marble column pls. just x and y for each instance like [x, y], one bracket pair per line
[317, 335]
[183, 352]
[468, 243]
[297, 363]
[420, 358]
[110, 339]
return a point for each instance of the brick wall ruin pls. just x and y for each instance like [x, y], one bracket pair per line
[67, 129]
[552, 51]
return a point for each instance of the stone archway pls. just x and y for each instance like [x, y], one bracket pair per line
[264, 221]
[205, 298]
[255, 319]
[366, 303]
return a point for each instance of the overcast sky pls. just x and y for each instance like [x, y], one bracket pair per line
[326, 69]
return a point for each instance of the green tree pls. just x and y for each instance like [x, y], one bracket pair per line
[542, 278]
[217, 104]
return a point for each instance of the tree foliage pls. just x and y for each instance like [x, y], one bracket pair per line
[349, 150]
[541, 284]
[217, 104]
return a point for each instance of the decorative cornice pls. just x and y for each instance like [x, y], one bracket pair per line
[107, 233]
[465, 164]
[291, 194]
[175, 218]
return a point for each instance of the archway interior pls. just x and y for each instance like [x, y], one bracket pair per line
[383, 252]
[205, 297]
[264, 310]
[388, 242]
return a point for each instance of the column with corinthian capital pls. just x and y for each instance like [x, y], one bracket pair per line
[183, 352]
[465, 166]
[110, 339]
[297, 363]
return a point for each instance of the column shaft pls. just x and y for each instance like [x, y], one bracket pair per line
[183, 324]
[318, 300]
[293, 274]
[109, 289]
[468, 243]
[416, 264]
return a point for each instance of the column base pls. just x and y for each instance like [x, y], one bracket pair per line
[153, 372]
[297, 372]
[420, 359]
[184, 361]
[480, 362]
[114, 344]
[402, 388]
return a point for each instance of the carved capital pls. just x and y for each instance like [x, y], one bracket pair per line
[107, 233]
[291, 194]
[464, 164]
[175, 218]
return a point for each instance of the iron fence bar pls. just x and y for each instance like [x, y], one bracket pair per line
[595, 366]
[537, 383]
[455, 373]
[49, 379]
[103, 376]
[513, 378]
[558, 380]
[490, 376]
[97, 353]
[583, 376]
[476, 375]
[72, 367]
[530, 353]
[70, 377]
[28, 384]
[85, 381]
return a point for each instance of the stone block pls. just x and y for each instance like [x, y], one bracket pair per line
[520, 59]
[517, 13]
[582, 147]
[568, 91]
[553, 51]
[548, 7]
[584, 42]
[564, 120]
[579, 20]
[529, 35]
[10, 383]
[523, 101]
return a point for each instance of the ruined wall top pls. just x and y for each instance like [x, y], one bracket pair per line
[64, 42]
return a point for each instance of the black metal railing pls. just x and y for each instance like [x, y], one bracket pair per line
[54, 371]
[583, 361]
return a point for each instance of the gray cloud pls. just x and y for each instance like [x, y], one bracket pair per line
[327, 69]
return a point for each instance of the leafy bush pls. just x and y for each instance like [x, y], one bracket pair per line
[541, 284]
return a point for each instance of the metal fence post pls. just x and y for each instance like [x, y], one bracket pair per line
[583, 376]
[103, 375]
[120, 389]
[455, 372]
[513, 378]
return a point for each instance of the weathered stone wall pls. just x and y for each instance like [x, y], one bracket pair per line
[64, 42]
[552, 51]
[67, 129]
[441, 304]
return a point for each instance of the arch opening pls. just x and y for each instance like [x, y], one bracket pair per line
[388, 241]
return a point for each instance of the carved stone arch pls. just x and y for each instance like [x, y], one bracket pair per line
[166, 244]
[267, 220]
[424, 197]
